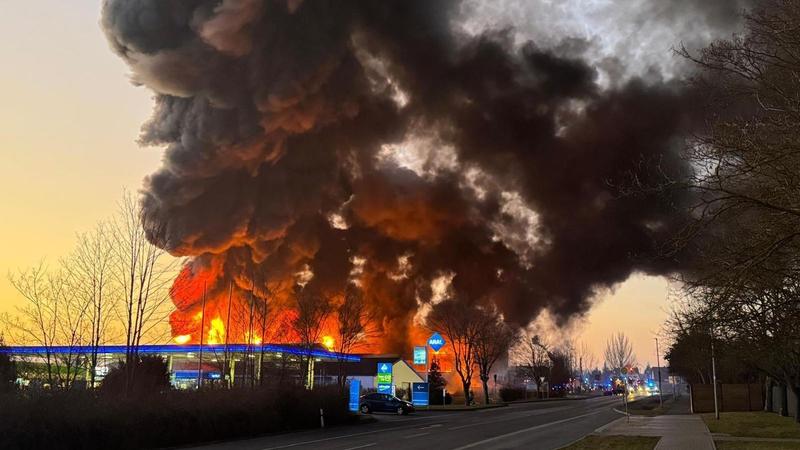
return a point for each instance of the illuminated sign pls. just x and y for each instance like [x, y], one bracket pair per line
[419, 394]
[355, 395]
[436, 342]
[384, 373]
[384, 388]
[420, 356]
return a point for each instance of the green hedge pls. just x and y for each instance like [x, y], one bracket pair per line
[85, 420]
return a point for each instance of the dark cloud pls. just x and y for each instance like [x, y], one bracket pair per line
[292, 132]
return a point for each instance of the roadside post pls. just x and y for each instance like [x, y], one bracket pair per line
[435, 342]
[624, 372]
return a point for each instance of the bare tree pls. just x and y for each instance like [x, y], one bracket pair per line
[461, 324]
[492, 342]
[53, 316]
[533, 355]
[312, 308]
[753, 326]
[89, 276]
[619, 352]
[586, 361]
[355, 324]
[144, 273]
[743, 182]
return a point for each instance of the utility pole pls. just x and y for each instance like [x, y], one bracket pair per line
[658, 364]
[714, 376]
[202, 329]
[225, 367]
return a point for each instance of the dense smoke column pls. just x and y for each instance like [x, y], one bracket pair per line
[373, 141]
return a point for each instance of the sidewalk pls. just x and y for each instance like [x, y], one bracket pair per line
[677, 432]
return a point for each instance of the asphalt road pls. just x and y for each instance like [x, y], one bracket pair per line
[541, 425]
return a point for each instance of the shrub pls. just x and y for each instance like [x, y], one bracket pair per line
[510, 393]
[8, 370]
[402, 394]
[83, 419]
[151, 376]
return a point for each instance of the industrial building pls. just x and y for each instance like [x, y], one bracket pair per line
[233, 364]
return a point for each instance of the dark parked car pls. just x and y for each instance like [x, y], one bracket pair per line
[376, 402]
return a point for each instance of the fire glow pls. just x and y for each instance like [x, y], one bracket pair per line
[307, 144]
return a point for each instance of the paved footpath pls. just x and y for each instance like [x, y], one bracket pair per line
[677, 432]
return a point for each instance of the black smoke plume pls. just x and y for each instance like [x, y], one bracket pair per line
[374, 140]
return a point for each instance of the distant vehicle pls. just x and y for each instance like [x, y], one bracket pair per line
[376, 402]
[619, 390]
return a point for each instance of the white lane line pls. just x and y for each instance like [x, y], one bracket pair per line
[525, 430]
[362, 446]
[410, 436]
[512, 416]
[340, 437]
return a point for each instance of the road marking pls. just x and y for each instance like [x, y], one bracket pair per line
[361, 446]
[513, 416]
[417, 435]
[525, 430]
[431, 426]
[340, 437]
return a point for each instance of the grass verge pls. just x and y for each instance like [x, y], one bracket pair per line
[753, 424]
[614, 443]
[648, 406]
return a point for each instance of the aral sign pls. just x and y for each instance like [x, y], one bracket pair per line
[436, 342]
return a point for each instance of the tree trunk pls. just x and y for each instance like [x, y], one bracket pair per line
[485, 381]
[784, 400]
[796, 391]
[465, 384]
[768, 398]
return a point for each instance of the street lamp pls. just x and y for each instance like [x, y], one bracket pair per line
[714, 375]
[658, 364]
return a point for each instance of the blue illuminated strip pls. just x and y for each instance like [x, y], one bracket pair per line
[167, 349]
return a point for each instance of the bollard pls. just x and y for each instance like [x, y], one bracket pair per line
[321, 419]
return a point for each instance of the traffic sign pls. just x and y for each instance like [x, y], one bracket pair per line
[420, 356]
[419, 394]
[436, 341]
[355, 395]
[384, 373]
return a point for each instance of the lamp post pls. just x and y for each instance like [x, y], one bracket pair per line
[658, 364]
[202, 329]
[714, 376]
